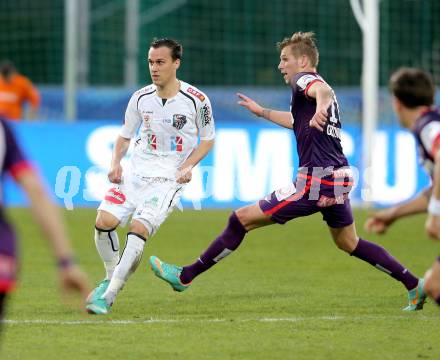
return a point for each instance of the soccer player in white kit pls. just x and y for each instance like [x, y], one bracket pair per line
[170, 115]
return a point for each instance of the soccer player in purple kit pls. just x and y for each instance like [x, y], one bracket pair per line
[322, 184]
[413, 94]
[12, 161]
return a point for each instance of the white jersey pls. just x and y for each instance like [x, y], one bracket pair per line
[168, 130]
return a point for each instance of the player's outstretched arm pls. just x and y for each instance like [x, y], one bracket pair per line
[380, 221]
[282, 118]
[120, 149]
[48, 217]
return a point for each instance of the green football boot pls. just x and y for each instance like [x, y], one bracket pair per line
[416, 297]
[98, 307]
[98, 291]
[169, 273]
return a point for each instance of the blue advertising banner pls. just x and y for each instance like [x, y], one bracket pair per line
[249, 161]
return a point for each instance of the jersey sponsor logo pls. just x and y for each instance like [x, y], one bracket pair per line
[196, 93]
[146, 118]
[144, 90]
[8, 97]
[176, 143]
[325, 201]
[166, 121]
[152, 141]
[344, 172]
[179, 121]
[150, 203]
[114, 196]
[205, 115]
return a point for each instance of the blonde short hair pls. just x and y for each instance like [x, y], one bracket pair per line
[302, 43]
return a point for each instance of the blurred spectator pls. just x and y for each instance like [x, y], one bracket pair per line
[15, 90]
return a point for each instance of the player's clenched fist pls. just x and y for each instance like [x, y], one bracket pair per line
[184, 175]
[319, 119]
[379, 222]
[115, 174]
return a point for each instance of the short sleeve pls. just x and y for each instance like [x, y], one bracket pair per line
[304, 82]
[205, 120]
[14, 160]
[132, 119]
[430, 136]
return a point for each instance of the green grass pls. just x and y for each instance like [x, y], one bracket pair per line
[287, 293]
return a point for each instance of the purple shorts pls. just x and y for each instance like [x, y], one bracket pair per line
[285, 204]
[8, 263]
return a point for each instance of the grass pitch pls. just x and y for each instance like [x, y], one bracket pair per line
[287, 293]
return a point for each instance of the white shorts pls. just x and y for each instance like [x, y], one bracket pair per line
[148, 200]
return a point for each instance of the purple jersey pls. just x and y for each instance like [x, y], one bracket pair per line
[320, 153]
[12, 161]
[11, 156]
[427, 132]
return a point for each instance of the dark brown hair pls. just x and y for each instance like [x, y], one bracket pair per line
[413, 87]
[7, 68]
[173, 45]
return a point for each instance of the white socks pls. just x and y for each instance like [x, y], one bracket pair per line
[130, 260]
[107, 244]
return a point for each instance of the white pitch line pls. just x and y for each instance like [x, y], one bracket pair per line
[187, 320]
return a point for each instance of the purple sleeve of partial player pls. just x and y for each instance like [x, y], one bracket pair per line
[11, 155]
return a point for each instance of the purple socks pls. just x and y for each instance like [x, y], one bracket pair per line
[378, 257]
[221, 247]
[234, 233]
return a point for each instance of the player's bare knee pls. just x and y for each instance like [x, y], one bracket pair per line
[431, 288]
[243, 215]
[252, 217]
[139, 228]
[346, 243]
[106, 221]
